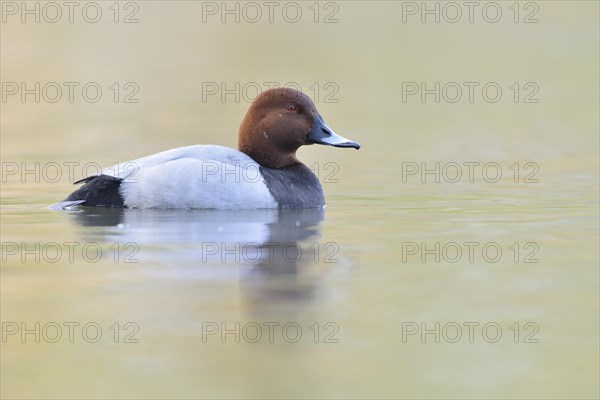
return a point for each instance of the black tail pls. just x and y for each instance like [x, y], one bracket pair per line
[99, 191]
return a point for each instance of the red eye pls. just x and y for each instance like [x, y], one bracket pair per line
[291, 108]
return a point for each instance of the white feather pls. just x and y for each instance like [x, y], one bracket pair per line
[203, 176]
[65, 205]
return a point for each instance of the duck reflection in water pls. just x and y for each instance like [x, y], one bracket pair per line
[277, 250]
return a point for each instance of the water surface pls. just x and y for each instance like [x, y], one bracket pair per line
[405, 286]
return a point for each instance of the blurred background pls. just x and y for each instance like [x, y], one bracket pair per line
[421, 86]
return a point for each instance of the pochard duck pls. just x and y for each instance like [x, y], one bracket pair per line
[263, 173]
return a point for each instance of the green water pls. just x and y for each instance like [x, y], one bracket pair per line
[409, 285]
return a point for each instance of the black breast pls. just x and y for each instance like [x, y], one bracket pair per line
[294, 187]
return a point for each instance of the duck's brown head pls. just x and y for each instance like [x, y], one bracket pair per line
[278, 122]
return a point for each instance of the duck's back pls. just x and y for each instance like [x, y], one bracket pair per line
[202, 176]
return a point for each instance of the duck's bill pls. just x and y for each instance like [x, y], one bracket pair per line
[322, 134]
